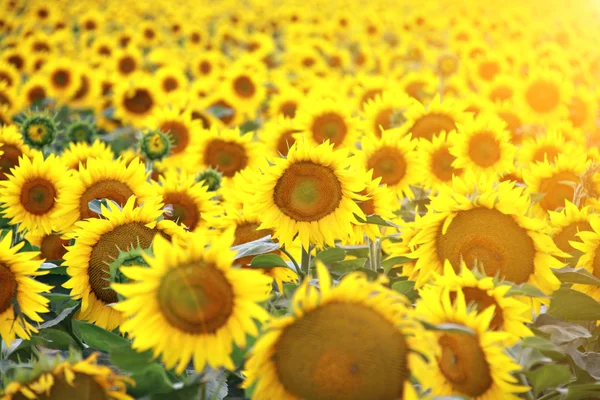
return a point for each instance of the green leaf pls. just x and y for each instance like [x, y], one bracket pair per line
[407, 288]
[374, 219]
[525, 289]
[53, 339]
[583, 392]
[130, 360]
[579, 275]
[549, 377]
[152, 380]
[98, 338]
[187, 392]
[571, 305]
[391, 262]
[239, 354]
[67, 312]
[356, 251]
[329, 256]
[249, 126]
[268, 261]
[448, 327]
[342, 268]
[561, 331]
[545, 346]
[219, 111]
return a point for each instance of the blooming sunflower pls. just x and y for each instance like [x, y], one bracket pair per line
[135, 99]
[385, 111]
[64, 78]
[420, 85]
[588, 242]
[34, 91]
[583, 109]
[379, 200]
[392, 158]
[193, 294]
[470, 364]
[69, 379]
[51, 245]
[310, 193]
[279, 134]
[285, 102]
[79, 153]
[17, 270]
[9, 74]
[546, 147]
[183, 130]
[355, 340]
[324, 119]
[437, 161]
[99, 179]
[556, 181]
[227, 150]
[13, 148]
[514, 119]
[510, 314]
[191, 202]
[502, 88]
[173, 81]
[246, 88]
[483, 146]
[29, 194]
[126, 61]
[486, 225]
[98, 242]
[438, 117]
[545, 95]
[567, 223]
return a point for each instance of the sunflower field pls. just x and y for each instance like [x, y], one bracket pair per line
[318, 200]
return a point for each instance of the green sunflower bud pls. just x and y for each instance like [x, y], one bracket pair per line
[81, 131]
[39, 130]
[211, 178]
[155, 145]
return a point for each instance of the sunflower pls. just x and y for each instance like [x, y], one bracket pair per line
[126, 61]
[324, 119]
[566, 225]
[246, 230]
[8, 97]
[13, 148]
[17, 57]
[392, 158]
[64, 77]
[438, 117]
[355, 340]
[483, 146]
[245, 88]
[208, 65]
[546, 147]
[69, 379]
[381, 201]
[9, 74]
[420, 85]
[385, 111]
[486, 225]
[183, 131]
[588, 243]
[98, 242]
[502, 88]
[199, 113]
[545, 95]
[510, 314]
[485, 68]
[17, 272]
[51, 245]
[226, 150]
[583, 109]
[514, 119]
[437, 161]
[88, 89]
[29, 193]
[135, 100]
[173, 81]
[279, 134]
[100, 179]
[191, 202]
[285, 102]
[474, 364]
[79, 153]
[310, 193]
[193, 294]
[34, 91]
[555, 181]
[223, 107]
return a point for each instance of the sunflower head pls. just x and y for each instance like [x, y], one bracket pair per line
[81, 132]
[39, 130]
[211, 178]
[155, 145]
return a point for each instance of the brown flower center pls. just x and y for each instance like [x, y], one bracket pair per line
[329, 126]
[543, 96]
[9, 159]
[140, 102]
[53, 247]
[484, 149]
[185, 210]
[389, 164]
[557, 192]
[127, 65]
[8, 283]
[111, 189]
[179, 134]
[441, 165]
[244, 87]
[286, 140]
[227, 157]
[430, 125]
[37, 196]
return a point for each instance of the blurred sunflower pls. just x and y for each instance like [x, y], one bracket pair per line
[545, 147]
[583, 109]
[51, 245]
[19, 288]
[566, 225]
[545, 95]
[438, 117]
[191, 202]
[285, 102]
[483, 145]
[246, 88]
[78, 153]
[98, 242]
[385, 111]
[9, 74]
[354, 340]
[135, 100]
[183, 131]
[279, 134]
[392, 158]
[99, 179]
[193, 294]
[471, 364]
[437, 161]
[69, 379]
[13, 148]
[29, 194]
[64, 77]
[325, 119]
[310, 193]
[126, 61]
[588, 243]
[34, 92]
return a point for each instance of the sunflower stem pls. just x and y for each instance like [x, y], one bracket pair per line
[287, 253]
